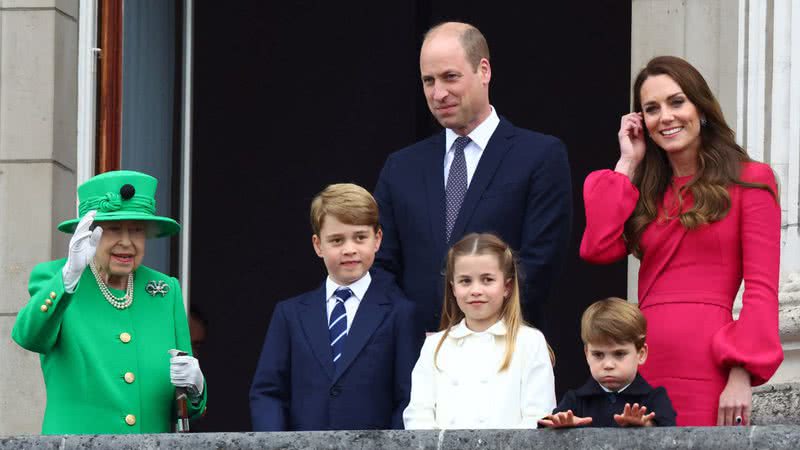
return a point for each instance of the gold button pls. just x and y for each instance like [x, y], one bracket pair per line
[44, 308]
[48, 302]
[125, 337]
[52, 295]
[130, 419]
[129, 377]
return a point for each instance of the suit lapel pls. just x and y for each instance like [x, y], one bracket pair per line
[433, 165]
[493, 154]
[371, 312]
[313, 318]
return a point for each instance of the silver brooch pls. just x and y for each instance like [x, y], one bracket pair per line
[157, 287]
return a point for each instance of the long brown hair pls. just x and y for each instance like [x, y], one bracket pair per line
[511, 313]
[719, 158]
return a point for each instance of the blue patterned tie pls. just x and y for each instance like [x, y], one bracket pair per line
[456, 186]
[337, 327]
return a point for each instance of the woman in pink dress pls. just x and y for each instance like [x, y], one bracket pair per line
[701, 216]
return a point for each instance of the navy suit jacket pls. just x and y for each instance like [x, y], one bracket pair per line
[296, 386]
[521, 191]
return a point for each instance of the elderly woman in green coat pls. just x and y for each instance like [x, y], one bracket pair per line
[107, 328]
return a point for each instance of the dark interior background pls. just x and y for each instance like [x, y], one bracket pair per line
[292, 96]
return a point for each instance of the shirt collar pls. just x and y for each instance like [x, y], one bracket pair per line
[359, 288]
[609, 391]
[461, 330]
[637, 387]
[480, 135]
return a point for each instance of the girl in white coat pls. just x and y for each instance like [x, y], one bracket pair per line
[486, 368]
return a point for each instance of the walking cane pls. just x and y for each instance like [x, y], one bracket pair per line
[181, 407]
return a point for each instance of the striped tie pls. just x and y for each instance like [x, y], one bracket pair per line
[337, 328]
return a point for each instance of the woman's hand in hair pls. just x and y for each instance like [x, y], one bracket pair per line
[631, 143]
[563, 420]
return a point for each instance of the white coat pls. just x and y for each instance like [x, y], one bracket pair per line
[468, 392]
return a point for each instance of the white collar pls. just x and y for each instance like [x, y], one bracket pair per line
[617, 391]
[359, 287]
[461, 330]
[480, 135]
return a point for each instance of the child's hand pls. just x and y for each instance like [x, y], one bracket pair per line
[564, 420]
[635, 416]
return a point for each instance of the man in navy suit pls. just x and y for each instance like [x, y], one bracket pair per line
[339, 357]
[481, 174]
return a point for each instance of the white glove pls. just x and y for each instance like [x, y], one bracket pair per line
[82, 248]
[184, 371]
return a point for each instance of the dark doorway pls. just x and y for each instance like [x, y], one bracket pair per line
[292, 96]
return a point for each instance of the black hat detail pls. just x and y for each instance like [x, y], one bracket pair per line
[127, 191]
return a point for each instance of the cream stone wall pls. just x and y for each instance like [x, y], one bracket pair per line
[38, 110]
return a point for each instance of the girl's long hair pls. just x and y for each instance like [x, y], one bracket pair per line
[511, 312]
[719, 158]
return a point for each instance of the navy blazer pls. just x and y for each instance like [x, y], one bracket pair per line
[590, 400]
[296, 387]
[521, 190]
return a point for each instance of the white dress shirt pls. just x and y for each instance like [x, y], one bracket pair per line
[468, 392]
[359, 288]
[472, 152]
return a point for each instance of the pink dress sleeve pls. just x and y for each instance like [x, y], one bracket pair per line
[609, 199]
[753, 341]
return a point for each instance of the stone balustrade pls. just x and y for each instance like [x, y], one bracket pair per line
[757, 437]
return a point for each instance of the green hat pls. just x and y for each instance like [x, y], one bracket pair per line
[122, 195]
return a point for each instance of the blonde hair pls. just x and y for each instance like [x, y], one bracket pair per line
[613, 319]
[349, 203]
[511, 313]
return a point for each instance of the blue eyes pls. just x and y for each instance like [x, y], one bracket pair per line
[448, 77]
[468, 280]
[359, 238]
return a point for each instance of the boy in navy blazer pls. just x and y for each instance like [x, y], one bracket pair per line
[613, 333]
[339, 357]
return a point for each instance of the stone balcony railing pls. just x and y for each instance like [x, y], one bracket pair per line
[756, 437]
[776, 413]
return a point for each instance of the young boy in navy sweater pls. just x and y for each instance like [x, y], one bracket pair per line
[339, 357]
[613, 333]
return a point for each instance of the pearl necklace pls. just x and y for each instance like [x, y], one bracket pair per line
[117, 302]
